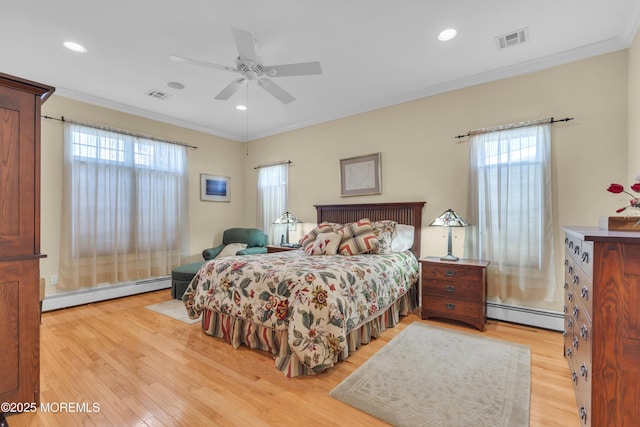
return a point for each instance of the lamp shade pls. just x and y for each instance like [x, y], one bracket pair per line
[449, 218]
[287, 218]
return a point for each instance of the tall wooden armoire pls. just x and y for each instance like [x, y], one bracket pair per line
[20, 102]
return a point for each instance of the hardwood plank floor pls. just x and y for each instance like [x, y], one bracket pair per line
[145, 369]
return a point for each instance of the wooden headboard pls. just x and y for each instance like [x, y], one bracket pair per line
[404, 213]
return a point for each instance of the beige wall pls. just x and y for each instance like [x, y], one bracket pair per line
[214, 155]
[634, 111]
[422, 161]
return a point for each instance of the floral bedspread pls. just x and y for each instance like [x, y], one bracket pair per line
[317, 299]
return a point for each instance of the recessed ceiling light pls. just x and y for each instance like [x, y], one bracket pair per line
[447, 34]
[76, 47]
[175, 85]
[241, 107]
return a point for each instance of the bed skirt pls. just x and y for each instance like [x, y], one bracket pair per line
[239, 332]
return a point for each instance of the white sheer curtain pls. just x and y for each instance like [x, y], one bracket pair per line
[272, 200]
[124, 209]
[511, 214]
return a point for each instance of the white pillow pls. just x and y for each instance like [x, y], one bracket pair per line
[231, 249]
[402, 238]
[325, 244]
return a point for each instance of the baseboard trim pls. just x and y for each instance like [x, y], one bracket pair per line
[87, 296]
[526, 316]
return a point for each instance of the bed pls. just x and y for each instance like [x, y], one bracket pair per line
[311, 312]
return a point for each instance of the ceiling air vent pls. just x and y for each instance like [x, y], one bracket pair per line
[513, 38]
[157, 94]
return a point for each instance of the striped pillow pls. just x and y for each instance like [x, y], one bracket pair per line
[358, 238]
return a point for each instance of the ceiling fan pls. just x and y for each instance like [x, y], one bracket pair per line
[251, 68]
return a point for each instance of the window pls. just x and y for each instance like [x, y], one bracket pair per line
[511, 214]
[125, 206]
[272, 200]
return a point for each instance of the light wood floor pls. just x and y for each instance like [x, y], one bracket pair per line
[143, 368]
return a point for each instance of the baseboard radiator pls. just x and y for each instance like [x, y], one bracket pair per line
[103, 293]
[526, 316]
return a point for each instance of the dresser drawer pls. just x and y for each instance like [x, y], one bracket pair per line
[451, 272]
[461, 290]
[452, 308]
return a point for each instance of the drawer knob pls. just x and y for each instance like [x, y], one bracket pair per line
[575, 342]
[570, 269]
[450, 288]
[583, 370]
[585, 257]
[566, 285]
[569, 323]
[450, 273]
[575, 312]
[450, 306]
[574, 378]
[569, 296]
[583, 414]
[564, 309]
[570, 244]
[584, 293]
[576, 250]
[569, 353]
[576, 279]
[584, 333]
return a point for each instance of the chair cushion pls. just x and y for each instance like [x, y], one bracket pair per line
[253, 237]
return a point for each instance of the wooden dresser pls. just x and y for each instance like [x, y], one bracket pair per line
[20, 255]
[602, 324]
[455, 290]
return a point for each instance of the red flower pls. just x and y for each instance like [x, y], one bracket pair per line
[615, 188]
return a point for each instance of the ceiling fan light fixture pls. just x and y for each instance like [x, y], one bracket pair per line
[76, 47]
[447, 34]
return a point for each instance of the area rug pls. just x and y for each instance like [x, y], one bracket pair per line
[174, 309]
[433, 376]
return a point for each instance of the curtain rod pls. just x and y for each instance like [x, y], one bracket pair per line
[515, 126]
[284, 162]
[126, 132]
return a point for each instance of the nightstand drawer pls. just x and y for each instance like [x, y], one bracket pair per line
[451, 272]
[451, 308]
[463, 290]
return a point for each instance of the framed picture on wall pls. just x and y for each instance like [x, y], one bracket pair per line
[360, 175]
[214, 188]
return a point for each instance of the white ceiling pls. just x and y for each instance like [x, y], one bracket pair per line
[373, 53]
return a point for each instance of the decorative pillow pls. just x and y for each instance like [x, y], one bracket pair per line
[384, 232]
[358, 238]
[325, 244]
[309, 239]
[231, 249]
[402, 238]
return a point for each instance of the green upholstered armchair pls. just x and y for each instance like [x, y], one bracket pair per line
[255, 239]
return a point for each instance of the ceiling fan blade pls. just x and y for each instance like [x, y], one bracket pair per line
[299, 69]
[201, 63]
[230, 89]
[275, 90]
[245, 43]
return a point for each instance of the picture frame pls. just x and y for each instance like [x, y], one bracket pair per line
[215, 188]
[360, 176]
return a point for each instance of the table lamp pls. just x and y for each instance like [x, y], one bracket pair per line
[450, 219]
[287, 218]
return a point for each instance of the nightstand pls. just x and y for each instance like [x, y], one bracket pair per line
[455, 290]
[277, 248]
